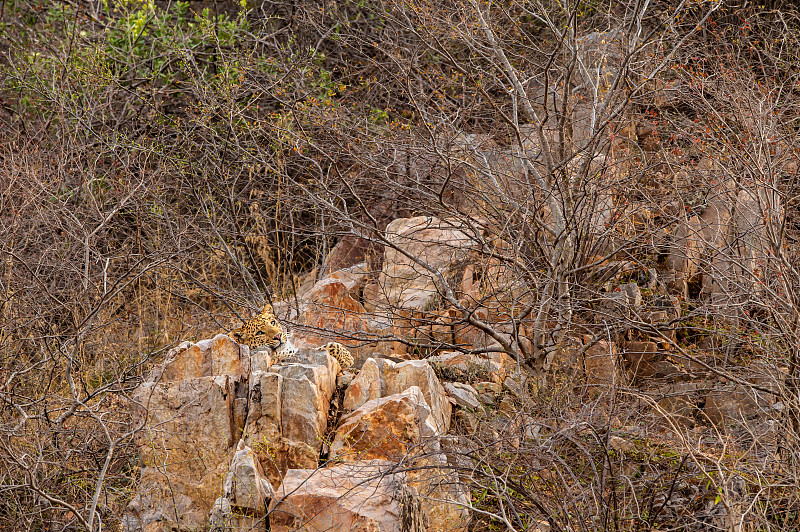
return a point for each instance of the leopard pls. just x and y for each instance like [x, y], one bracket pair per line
[264, 331]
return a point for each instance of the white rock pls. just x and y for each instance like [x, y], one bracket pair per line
[464, 394]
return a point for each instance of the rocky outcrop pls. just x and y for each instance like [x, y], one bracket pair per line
[645, 361]
[388, 428]
[402, 428]
[245, 494]
[366, 495]
[495, 367]
[424, 248]
[602, 365]
[331, 311]
[381, 378]
[232, 441]
[216, 449]
[190, 421]
[288, 413]
[369, 384]
[464, 395]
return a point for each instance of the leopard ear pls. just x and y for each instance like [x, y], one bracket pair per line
[236, 334]
[267, 310]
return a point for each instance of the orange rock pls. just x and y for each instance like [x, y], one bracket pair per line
[364, 496]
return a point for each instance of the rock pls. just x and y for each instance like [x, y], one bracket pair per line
[249, 488]
[418, 373]
[194, 408]
[218, 356]
[567, 356]
[289, 412]
[348, 252]
[260, 359]
[756, 206]
[469, 367]
[601, 364]
[734, 403]
[330, 307]
[654, 316]
[539, 525]
[470, 336]
[715, 226]
[669, 94]
[221, 516]
[508, 407]
[184, 448]
[518, 384]
[679, 403]
[246, 494]
[368, 384]
[671, 305]
[634, 294]
[389, 428]
[613, 307]
[488, 387]
[373, 298]
[488, 400]
[600, 57]
[686, 248]
[464, 395]
[345, 379]
[435, 243]
[360, 496]
[643, 360]
[620, 445]
[468, 421]
[353, 278]
[399, 428]
[383, 377]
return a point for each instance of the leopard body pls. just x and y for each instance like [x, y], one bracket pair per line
[265, 331]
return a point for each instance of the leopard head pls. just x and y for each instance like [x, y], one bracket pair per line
[262, 330]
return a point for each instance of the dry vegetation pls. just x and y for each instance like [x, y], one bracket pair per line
[168, 167]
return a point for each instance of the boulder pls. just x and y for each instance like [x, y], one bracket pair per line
[735, 403]
[686, 248]
[217, 356]
[495, 366]
[567, 356]
[184, 447]
[601, 364]
[613, 307]
[644, 361]
[464, 395]
[389, 428]
[373, 297]
[360, 496]
[353, 278]
[470, 336]
[678, 403]
[249, 488]
[418, 373]
[348, 252]
[368, 384]
[415, 245]
[246, 494]
[192, 410]
[634, 294]
[518, 384]
[288, 414]
[488, 388]
[758, 206]
[382, 377]
[330, 307]
[399, 428]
